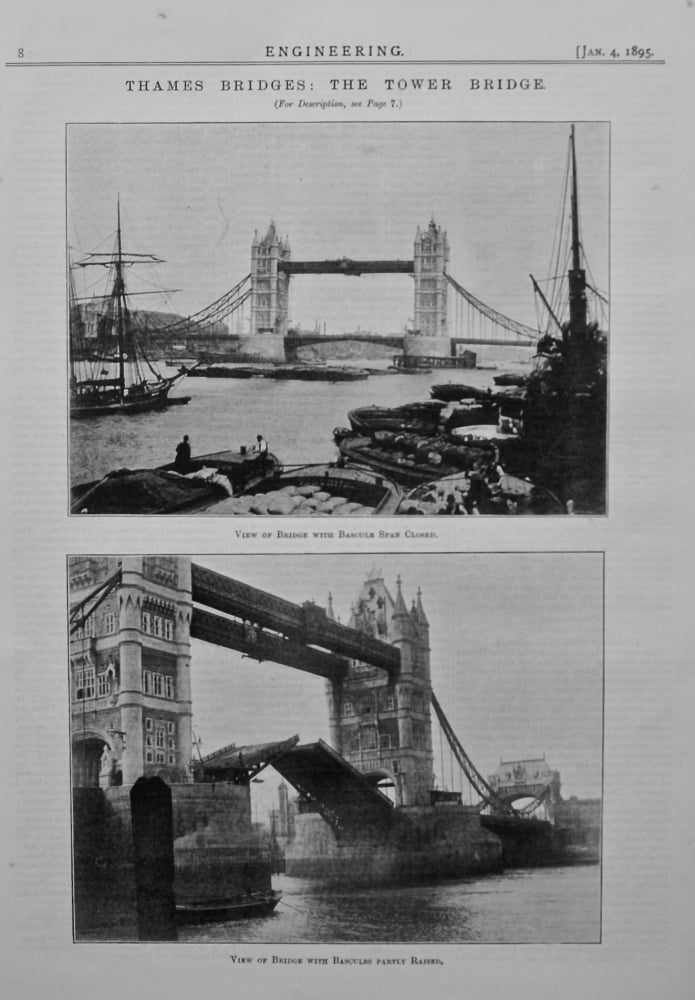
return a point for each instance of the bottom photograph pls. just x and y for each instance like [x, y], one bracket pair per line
[332, 749]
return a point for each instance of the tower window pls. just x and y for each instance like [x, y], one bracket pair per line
[348, 708]
[84, 684]
[369, 739]
[159, 685]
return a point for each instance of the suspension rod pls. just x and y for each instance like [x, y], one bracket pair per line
[527, 332]
[484, 790]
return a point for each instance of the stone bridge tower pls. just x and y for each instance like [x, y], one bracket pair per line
[528, 779]
[269, 296]
[130, 686]
[382, 725]
[430, 334]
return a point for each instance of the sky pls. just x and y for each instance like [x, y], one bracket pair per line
[194, 194]
[516, 656]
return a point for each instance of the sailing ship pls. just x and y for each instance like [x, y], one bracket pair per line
[111, 373]
[550, 431]
[565, 397]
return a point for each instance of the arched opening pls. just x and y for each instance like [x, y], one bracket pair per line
[87, 752]
[530, 806]
[385, 783]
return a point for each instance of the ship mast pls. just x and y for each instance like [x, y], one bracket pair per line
[577, 274]
[119, 292]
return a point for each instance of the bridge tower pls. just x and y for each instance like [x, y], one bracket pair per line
[269, 296]
[528, 779]
[130, 686]
[430, 335]
[382, 724]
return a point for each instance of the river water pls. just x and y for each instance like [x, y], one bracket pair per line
[296, 418]
[541, 905]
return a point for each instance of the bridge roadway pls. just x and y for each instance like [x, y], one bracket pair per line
[293, 340]
[329, 785]
[346, 266]
[299, 629]
[261, 645]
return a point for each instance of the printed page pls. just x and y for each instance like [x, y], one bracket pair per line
[347, 553]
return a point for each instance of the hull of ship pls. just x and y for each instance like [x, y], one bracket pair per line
[407, 473]
[157, 491]
[417, 418]
[245, 907]
[361, 491]
[454, 392]
[157, 400]
[423, 845]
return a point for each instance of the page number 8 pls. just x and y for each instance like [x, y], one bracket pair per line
[20, 53]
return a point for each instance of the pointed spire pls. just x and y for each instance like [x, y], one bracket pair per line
[329, 610]
[400, 606]
[422, 617]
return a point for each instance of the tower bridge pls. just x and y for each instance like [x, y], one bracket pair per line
[436, 330]
[132, 622]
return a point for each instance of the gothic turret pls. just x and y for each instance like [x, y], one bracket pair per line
[430, 257]
[381, 724]
[420, 611]
[130, 664]
[269, 289]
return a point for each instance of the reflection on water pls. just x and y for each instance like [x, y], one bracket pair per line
[297, 419]
[545, 906]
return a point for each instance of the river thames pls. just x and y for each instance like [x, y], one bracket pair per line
[559, 905]
[297, 418]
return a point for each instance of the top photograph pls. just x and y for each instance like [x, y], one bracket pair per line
[326, 319]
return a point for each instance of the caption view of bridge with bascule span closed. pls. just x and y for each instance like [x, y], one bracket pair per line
[518, 428]
[391, 798]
